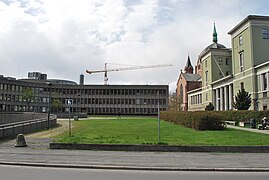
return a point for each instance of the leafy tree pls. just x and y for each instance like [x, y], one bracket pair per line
[174, 104]
[56, 103]
[242, 100]
[28, 96]
[209, 107]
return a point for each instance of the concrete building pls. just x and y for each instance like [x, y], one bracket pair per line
[225, 71]
[90, 99]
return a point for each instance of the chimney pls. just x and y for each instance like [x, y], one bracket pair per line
[81, 79]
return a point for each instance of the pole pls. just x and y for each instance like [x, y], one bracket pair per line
[93, 107]
[69, 122]
[159, 123]
[79, 104]
[48, 124]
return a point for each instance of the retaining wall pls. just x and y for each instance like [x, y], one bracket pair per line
[13, 117]
[161, 148]
[11, 130]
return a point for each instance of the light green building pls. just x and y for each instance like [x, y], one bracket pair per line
[225, 71]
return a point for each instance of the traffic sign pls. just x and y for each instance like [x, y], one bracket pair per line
[69, 102]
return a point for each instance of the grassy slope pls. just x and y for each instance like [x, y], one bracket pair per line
[144, 131]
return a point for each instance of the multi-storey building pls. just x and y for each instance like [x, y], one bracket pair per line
[90, 99]
[225, 71]
[250, 44]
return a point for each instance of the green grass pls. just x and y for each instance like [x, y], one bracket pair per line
[145, 131]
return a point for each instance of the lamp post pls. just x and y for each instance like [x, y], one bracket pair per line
[78, 104]
[93, 106]
[159, 122]
[69, 121]
[49, 102]
[69, 103]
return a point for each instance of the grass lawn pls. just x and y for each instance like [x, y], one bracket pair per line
[145, 131]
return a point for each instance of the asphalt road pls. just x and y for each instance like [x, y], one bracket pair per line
[33, 173]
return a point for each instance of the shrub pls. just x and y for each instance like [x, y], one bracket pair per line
[211, 120]
[201, 120]
[244, 115]
[209, 107]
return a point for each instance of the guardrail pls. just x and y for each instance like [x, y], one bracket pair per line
[11, 130]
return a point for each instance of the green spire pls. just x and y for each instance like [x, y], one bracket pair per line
[215, 35]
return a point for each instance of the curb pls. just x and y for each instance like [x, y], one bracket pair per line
[160, 148]
[77, 166]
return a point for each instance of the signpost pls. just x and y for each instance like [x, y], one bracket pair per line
[69, 103]
[159, 122]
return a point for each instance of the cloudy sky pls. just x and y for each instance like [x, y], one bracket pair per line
[63, 38]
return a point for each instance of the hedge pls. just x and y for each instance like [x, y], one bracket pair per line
[211, 120]
[199, 120]
[244, 115]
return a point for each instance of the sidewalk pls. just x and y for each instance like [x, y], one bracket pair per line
[38, 154]
[249, 129]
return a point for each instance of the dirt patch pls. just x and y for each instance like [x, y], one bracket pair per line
[61, 127]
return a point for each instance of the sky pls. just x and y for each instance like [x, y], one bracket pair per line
[63, 38]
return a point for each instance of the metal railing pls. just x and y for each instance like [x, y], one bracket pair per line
[11, 130]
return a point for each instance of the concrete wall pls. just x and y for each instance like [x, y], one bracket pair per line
[161, 148]
[8, 130]
[13, 117]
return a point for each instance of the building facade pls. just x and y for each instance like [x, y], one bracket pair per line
[225, 71]
[90, 99]
[187, 81]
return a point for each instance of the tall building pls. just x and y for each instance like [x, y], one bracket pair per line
[225, 71]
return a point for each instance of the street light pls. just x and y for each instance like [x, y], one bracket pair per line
[69, 103]
[159, 122]
[49, 89]
[93, 106]
[78, 104]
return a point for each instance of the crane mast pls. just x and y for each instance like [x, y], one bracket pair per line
[124, 69]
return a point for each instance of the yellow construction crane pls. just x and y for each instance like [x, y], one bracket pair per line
[131, 67]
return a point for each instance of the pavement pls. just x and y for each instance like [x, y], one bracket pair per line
[249, 129]
[37, 153]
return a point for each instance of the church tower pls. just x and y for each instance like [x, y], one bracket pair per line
[188, 68]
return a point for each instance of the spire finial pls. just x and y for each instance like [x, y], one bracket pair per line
[215, 35]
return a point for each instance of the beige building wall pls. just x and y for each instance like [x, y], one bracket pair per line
[248, 41]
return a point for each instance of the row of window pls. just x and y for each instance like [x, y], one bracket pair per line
[220, 61]
[17, 88]
[264, 36]
[264, 81]
[97, 110]
[108, 91]
[17, 98]
[227, 61]
[117, 101]
[196, 99]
